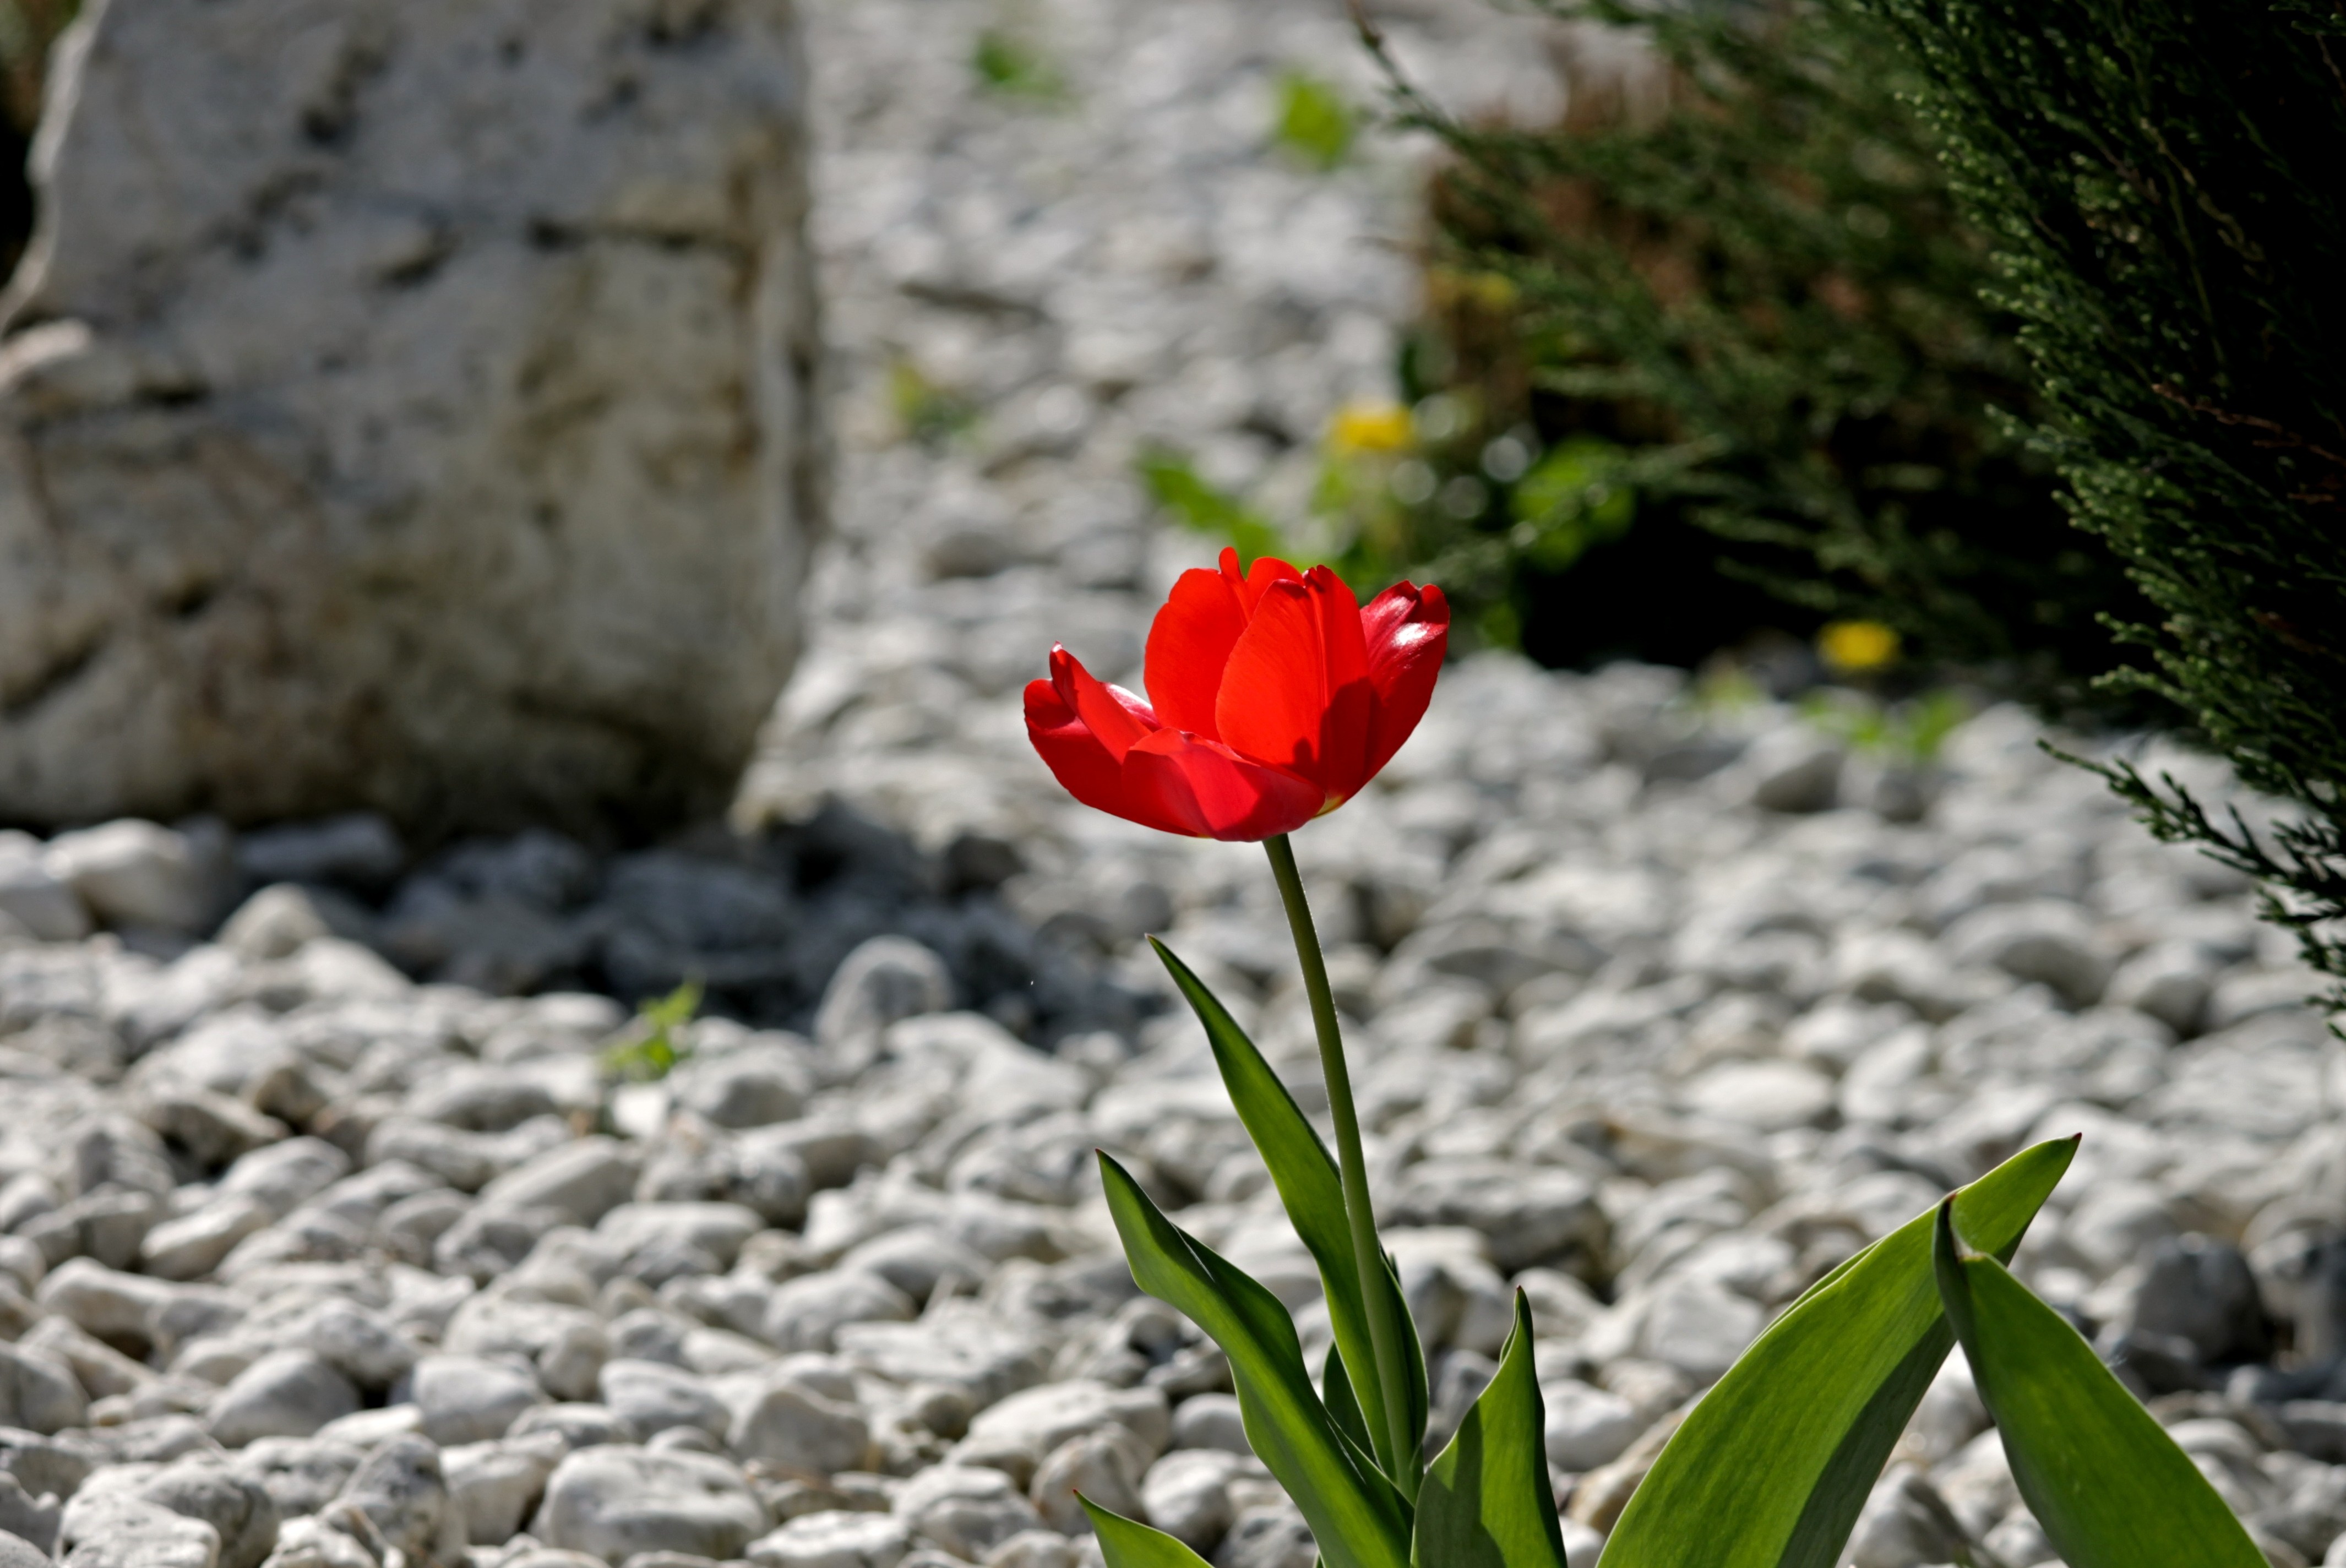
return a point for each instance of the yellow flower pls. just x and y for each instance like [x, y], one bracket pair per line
[1360, 427]
[1454, 288]
[1851, 647]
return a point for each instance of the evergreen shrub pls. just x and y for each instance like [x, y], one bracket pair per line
[1751, 276]
[2163, 186]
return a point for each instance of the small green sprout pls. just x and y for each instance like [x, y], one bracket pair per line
[1315, 124]
[1910, 732]
[928, 413]
[654, 1046]
[1011, 65]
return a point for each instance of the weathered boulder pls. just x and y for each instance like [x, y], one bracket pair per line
[406, 404]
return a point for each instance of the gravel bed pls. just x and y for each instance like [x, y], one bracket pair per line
[329, 1237]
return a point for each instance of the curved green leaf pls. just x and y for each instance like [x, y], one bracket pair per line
[2109, 1487]
[1343, 1406]
[1356, 1515]
[1128, 1543]
[1486, 1502]
[1305, 1174]
[1770, 1469]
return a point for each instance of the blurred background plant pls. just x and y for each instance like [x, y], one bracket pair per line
[925, 411]
[2159, 180]
[1011, 61]
[1940, 338]
[1709, 360]
[1909, 730]
[1315, 125]
[1744, 270]
[653, 1045]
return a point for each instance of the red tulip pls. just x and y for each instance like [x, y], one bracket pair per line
[1277, 698]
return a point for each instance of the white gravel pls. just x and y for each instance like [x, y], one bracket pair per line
[326, 1238]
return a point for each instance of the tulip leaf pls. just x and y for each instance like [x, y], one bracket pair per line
[1356, 1515]
[1128, 1543]
[1486, 1502]
[1343, 1407]
[2108, 1485]
[1309, 1184]
[1770, 1470]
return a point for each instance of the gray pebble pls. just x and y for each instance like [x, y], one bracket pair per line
[834, 1538]
[1210, 1421]
[614, 1501]
[653, 1398]
[470, 1399]
[37, 1394]
[399, 1491]
[965, 1510]
[800, 1421]
[1268, 1537]
[284, 1393]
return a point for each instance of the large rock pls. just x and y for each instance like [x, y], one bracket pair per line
[408, 407]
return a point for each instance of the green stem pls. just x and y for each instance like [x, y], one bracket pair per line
[1385, 1342]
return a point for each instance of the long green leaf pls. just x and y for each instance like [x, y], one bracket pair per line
[1486, 1502]
[2109, 1487]
[1343, 1405]
[1770, 1469]
[1356, 1515]
[1127, 1543]
[1306, 1176]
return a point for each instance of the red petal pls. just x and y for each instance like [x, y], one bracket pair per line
[1115, 716]
[1408, 632]
[1216, 793]
[1265, 570]
[1190, 641]
[1082, 764]
[1345, 726]
[1295, 693]
[1273, 688]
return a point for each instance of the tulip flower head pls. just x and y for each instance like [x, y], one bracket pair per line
[1276, 697]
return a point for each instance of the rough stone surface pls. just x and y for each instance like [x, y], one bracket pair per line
[470, 1399]
[465, 350]
[399, 1492]
[834, 1538]
[138, 873]
[114, 1530]
[615, 1501]
[239, 1508]
[42, 904]
[38, 1394]
[285, 1393]
[968, 1510]
[792, 1422]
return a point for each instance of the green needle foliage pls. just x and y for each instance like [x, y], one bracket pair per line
[2160, 183]
[1763, 287]
[2015, 326]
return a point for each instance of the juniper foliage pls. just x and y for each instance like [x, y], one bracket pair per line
[2163, 183]
[1765, 288]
